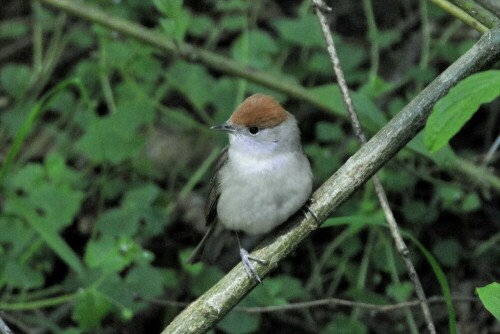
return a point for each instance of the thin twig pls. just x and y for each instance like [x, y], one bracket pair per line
[379, 189]
[491, 151]
[331, 302]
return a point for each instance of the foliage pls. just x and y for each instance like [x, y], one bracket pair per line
[452, 112]
[490, 296]
[106, 152]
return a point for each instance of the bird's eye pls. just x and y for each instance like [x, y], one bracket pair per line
[253, 130]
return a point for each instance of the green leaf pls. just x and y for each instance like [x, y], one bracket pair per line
[120, 53]
[136, 207]
[255, 49]
[107, 139]
[90, 308]
[16, 236]
[325, 162]
[279, 290]
[59, 173]
[204, 25]
[48, 193]
[329, 132]
[145, 281]
[471, 202]
[221, 89]
[370, 115]
[148, 70]
[57, 205]
[111, 254]
[18, 275]
[330, 95]
[168, 7]
[449, 195]
[18, 206]
[303, 31]
[376, 88]
[178, 19]
[142, 197]
[400, 291]
[490, 297]
[28, 177]
[191, 80]
[116, 222]
[453, 110]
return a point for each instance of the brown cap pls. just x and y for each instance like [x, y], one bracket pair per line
[259, 110]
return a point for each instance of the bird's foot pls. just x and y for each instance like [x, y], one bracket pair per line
[306, 208]
[245, 258]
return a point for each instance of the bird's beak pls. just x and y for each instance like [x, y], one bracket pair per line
[226, 126]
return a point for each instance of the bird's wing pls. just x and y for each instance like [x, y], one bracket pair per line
[214, 189]
[210, 207]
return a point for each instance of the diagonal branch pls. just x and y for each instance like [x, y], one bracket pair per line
[207, 310]
[319, 8]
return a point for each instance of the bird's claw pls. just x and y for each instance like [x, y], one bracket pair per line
[306, 209]
[245, 259]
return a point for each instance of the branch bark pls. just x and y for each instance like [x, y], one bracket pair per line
[204, 313]
[478, 12]
[492, 5]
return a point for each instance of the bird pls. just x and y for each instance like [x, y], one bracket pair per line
[261, 178]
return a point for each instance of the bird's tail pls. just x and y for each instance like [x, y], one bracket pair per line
[198, 251]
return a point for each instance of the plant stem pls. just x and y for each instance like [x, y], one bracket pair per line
[33, 305]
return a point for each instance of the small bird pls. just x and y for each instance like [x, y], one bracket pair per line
[261, 178]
